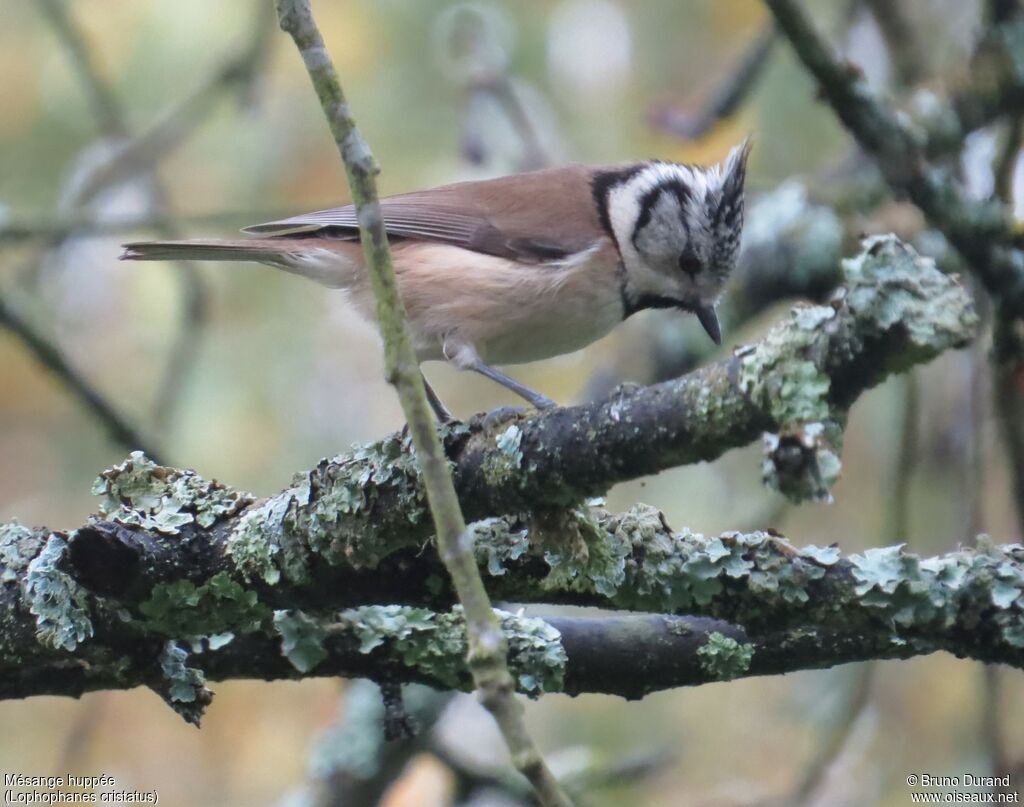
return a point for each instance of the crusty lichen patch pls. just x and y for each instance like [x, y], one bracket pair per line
[433, 643]
[183, 609]
[140, 492]
[18, 545]
[503, 463]
[59, 604]
[891, 296]
[987, 583]
[185, 688]
[333, 512]
[723, 658]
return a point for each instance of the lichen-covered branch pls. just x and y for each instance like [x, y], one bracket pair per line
[172, 557]
[725, 606]
[486, 648]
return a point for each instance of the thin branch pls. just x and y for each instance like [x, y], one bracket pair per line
[486, 648]
[726, 98]
[97, 404]
[982, 232]
[140, 155]
[59, 228]
[901, 41]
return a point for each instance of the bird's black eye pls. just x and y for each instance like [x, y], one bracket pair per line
[690, 263]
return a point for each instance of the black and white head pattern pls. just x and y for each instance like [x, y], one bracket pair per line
[678, 228]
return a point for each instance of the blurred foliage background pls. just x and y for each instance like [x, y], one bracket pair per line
[281, 373]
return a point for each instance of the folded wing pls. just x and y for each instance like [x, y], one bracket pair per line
[538, 217]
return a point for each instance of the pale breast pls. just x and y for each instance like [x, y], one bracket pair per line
[508, 312]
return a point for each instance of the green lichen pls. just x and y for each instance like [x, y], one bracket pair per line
[435, 644]
[183, 609]
[18, 545]
[580, 555]
[889, 286]
[501, 465]
[723, 658]
[326, 512]
[668, 571]
[302, 639]
[154, 497]
[256, 541]
[59, 604]
[496, 544]
[910, 592]
[892, 296]
[184, 683]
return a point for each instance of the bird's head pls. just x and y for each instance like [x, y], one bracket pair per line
[678, 231]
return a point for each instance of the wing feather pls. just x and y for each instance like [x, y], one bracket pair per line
[536, 217]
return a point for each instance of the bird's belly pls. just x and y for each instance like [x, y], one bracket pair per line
[551, 331]
[507, 312]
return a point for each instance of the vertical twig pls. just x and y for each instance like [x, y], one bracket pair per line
[487, 645]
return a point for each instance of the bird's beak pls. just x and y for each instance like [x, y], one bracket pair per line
[709, 320]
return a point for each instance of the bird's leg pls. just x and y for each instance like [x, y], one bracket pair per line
[442, 412]
[523, 391]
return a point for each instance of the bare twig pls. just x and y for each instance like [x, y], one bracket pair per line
[900, 40]
[487, 648]
[60, 227]
[53, 359]
[726, 98]
[982, 232]
[140, 155]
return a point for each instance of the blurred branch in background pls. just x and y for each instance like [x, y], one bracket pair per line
[902, 42]
[58, 228]
[486, 646]
[353, 764]
[982, 232]
[723, 101]
[131, 156]
[475, 58]
[116, 424]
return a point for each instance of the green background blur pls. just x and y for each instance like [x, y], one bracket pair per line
[285, 374]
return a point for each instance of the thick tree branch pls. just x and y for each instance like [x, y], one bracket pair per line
[799, 609]
[172, 555]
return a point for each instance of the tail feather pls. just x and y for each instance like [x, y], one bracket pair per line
[333, 264]
[208, 250]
